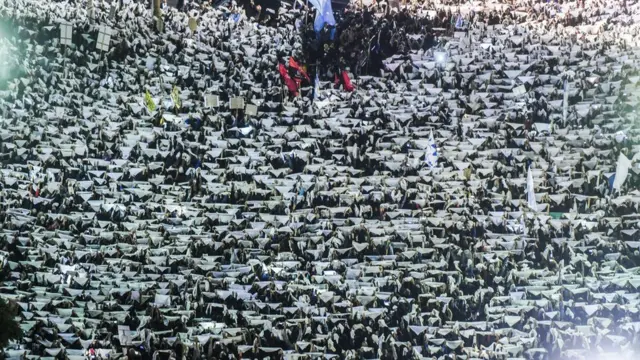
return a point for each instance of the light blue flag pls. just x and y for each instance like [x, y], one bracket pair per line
[459, 22]
[324, 14]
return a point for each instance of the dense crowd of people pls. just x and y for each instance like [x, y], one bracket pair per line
[367, 35]
[220, 189]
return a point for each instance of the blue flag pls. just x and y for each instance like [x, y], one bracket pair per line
[612, 179]
[324, 14]
[459, 22]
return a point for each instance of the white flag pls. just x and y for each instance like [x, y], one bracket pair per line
[316, 88]
[561, 272]
[531, 194]
[622, 170]
[66, 34]
[431, 156]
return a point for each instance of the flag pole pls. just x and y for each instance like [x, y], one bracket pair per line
[64, 61]
[90, 10]
[157, 14]
[565, 104]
